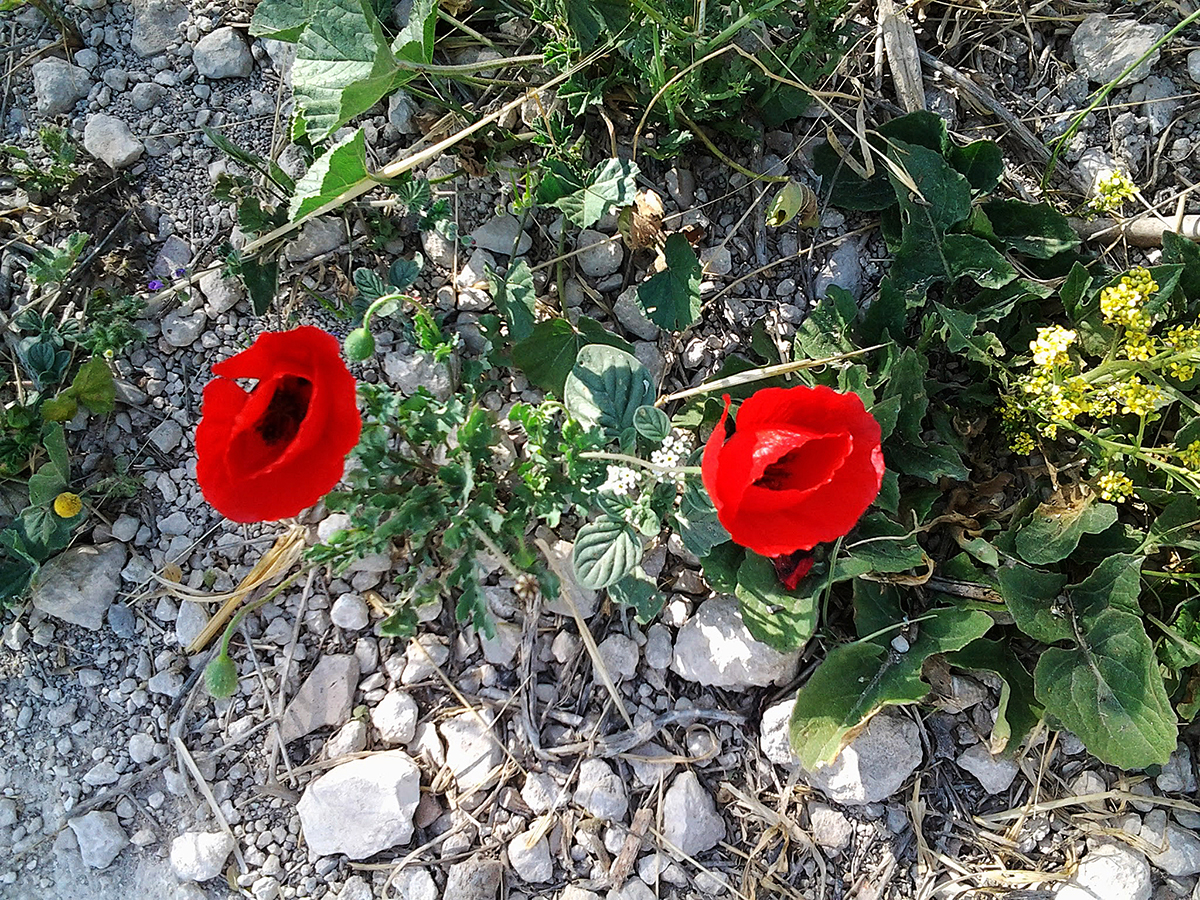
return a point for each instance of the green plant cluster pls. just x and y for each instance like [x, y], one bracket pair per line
[990, 560]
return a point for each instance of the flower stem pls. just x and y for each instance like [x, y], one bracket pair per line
[634, 461]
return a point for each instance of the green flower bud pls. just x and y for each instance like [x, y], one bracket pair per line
[221, 677]
[359, 345]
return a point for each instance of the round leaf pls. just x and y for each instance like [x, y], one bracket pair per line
[605, 552]
[652, 423]
[605, 388]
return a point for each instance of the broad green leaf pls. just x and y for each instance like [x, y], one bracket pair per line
[343, 67]
[1179, 250]
[1053, 532]
[1017, 711]
[880, 546]
[696, 521]
[605, 552]
[1033, 598]
[945, 196]
[331, 174]
[1109, 691]
[15, 574]
[876, 607]
[858, 680]
[961, 336]
[94, 387]
[1033, 229]
[261, 277]
[595, 333]
[1178, 525]
[61, 408]
[45, 484]
[593, 21]
[930, 463]
[845, 188]
[281, 20]
[826, 329]
[605, 388]
[652, 423]
[515, 297]
[922, 128]
[968, 256]
[773, 615]
[671, 298]
[370, 286]
[55, 441]
[639, 592]
[980, 162]
[1075, 290]
[548, 354]
[403, 272]
[721, 564]
[414, 42]
[907, 381]
[584, 201]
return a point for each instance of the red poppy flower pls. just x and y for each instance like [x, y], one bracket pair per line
[275, 450]
[801, 467]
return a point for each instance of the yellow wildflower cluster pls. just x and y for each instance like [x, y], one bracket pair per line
[1137, 397]
[1191, 456]
[1050, 346]
[1013, 423]
[1112, 190]
[1123, 303]
[1183, 339]
[1114, 486]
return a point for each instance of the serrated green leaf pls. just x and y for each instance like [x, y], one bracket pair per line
[515, 297]
[961, 336]
[638, 591]
[60, 408]
[652, 423]
[94, 387]
[858, 680]
[370, 286]
[281, 20]
[775, 616]
[584, 201]
[343, 67]
[45, 484]
[1053, 531]
[671, 298]
[605, 388]
[605, 552]
[403, 272]
[826, 330]
[330, 175]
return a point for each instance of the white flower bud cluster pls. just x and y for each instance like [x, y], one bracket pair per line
[620, 482]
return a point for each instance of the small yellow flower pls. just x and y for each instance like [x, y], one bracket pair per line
[1114, 486]
[1050, 346]
[1121, 304]
[1139, 346]
[67, 505]
[1191, 456]
[1112, 190]
[1022, 443]
[1139, 398]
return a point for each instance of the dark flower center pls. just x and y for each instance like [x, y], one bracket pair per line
[285, 412]
[807, 466]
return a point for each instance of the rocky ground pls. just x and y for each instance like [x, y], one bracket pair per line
[351, 766]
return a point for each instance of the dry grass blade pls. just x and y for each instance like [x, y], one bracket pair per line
[903, 57]
[284, 554]
[786, 826]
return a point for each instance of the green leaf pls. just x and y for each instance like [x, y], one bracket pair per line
[961, 337]
[1178, 250]
[1032, 229]
[331, 174]
[414, 42]
[605, 552]
[907, 382]
[1032, 597]
[404, 272]
[968, 256]
[1052, 532]
[281, 20]
[944, 197]
[15, 574]
[930, 463]
[697, 522]
[370, 286]
[721, 564]
[771, 613]
[858, 680]
[94, 387]
[1017, 711]
[585, 201]
[47, 483]
[639, 592]
[515, 297]
[595, 333]
[980, 162]
[883, 553]
[671, 298]
[652, 423]
[261, 277]
[605, 388]
[826, 329]
[60, 408]
[343, 67]
[55, 441]
[548, 354]
[1109, 691]
[1178, 525]
[845, 188]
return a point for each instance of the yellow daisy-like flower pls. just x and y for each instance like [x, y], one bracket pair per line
[67, 505]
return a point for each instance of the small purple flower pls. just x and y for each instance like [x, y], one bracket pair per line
[155, 285]
[180, 272]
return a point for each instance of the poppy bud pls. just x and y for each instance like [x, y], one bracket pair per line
[221, 677]
[359, 345]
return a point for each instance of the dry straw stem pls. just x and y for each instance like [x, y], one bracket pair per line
[902, 54]
[284, 554]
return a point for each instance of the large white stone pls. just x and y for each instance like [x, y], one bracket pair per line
[79, 584]
[324, 699]
[874, 765]
[472, 751]
[1109, 872]
[601, 792]
[109, 140]
[691, 822]
[100, 838]
[58, 85]
[223, 54]
[1105, 47]
[200, 855]
[361, 807]
[715, 648]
